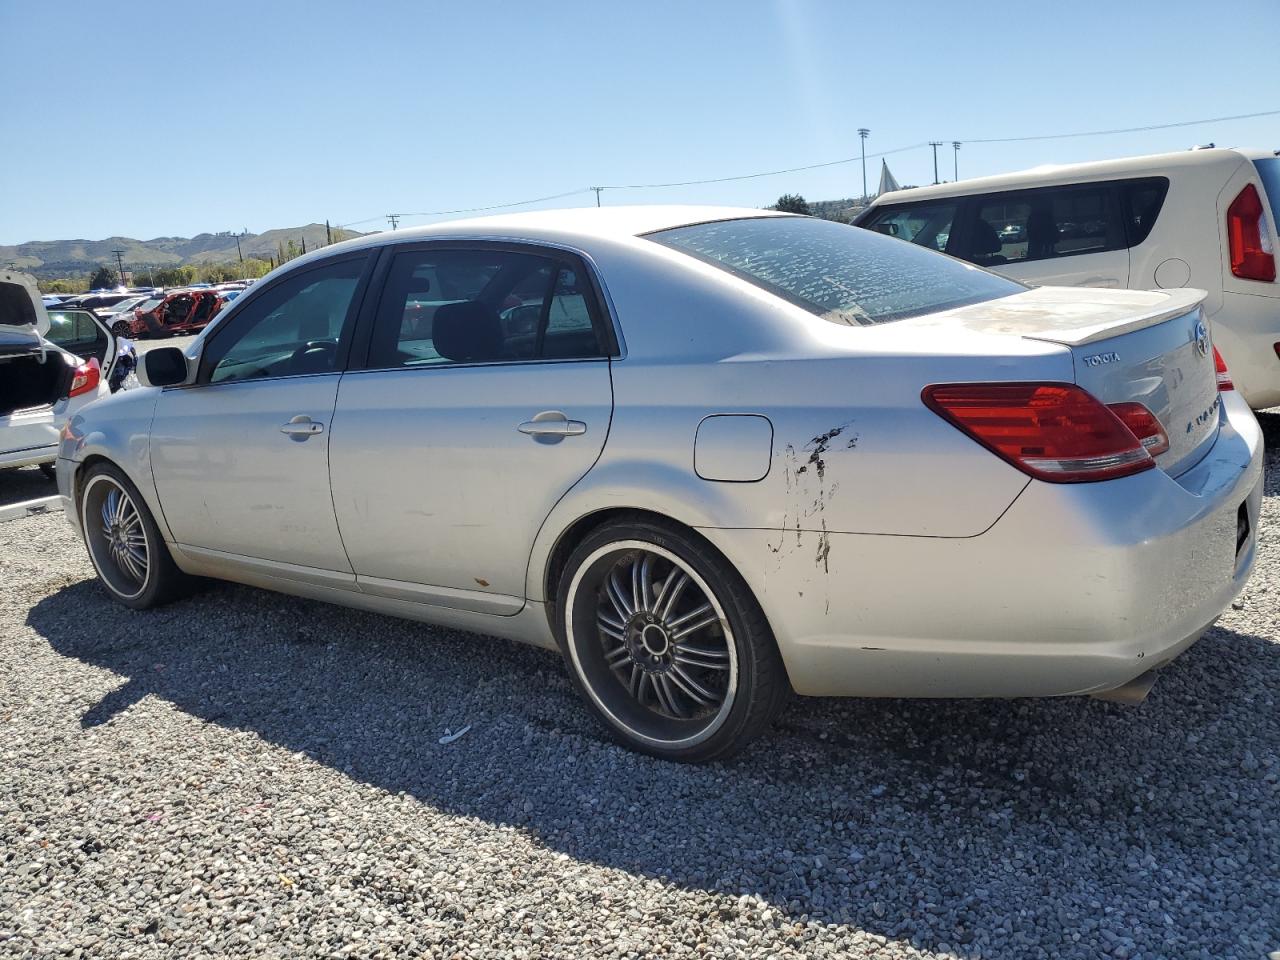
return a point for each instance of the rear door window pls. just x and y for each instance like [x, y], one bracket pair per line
[1043, 224]
[444, 305]
[1142, 201]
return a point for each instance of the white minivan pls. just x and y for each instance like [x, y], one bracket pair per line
[1200, 218]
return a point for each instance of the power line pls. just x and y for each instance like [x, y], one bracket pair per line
[1103, 133]
[394, 218]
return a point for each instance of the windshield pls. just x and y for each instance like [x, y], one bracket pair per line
[1269, 171]
[841, 273]
[148, 305]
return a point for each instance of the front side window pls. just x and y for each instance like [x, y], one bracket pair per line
[841, 273]
[444, 305]
[928, 224]
[294, 327]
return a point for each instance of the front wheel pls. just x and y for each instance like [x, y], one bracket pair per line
[667, 643]
[124, 543]
[120, 329]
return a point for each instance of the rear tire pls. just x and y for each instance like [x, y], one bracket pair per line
[125, 547]
[666, 642]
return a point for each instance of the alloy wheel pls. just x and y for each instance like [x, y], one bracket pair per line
[117, 537]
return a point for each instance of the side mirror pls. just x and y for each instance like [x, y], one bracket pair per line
[163, 367]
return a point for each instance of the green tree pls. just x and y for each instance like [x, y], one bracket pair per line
[791, 203]
[102, 278]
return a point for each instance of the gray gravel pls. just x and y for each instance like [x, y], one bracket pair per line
[243, 774]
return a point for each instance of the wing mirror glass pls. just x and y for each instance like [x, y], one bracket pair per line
[163, 367]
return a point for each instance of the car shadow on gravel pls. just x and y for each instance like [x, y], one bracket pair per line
[925, 821]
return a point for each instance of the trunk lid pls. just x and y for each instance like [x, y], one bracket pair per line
[1149, 347]
[23, 320]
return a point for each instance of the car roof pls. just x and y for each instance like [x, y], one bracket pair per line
[1054, 174]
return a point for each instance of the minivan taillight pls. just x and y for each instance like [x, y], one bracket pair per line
[1221, 372]
[1053, 431]
[1248, 240]
[86, 377]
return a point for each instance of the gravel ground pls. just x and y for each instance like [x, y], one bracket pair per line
[242, 774]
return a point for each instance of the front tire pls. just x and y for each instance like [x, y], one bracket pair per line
[124, 543]
[666, 642]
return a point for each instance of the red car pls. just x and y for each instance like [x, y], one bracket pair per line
[176, 313]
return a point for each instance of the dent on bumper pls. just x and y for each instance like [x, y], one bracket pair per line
[1077, 588]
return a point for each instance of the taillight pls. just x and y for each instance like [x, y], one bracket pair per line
[1220, 370]
[1248, 239]
[1142, 423]
[86, 377]
[1053, 431]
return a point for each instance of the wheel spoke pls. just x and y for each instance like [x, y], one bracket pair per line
[617, 657]
[646, 582]
[633, 685]
[637, 594]
[121, 503]
[673, 594]
[645, 680]
[683, 655]
[618, 596]
[108, 510]
[697, 614]
[666, 696]
[610, 629]
[691, 686]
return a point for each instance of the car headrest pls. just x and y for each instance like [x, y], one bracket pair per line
[985, 240]
[467, 331]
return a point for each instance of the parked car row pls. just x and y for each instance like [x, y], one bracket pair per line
[146, 312]
[712, 455]
[1202, 219]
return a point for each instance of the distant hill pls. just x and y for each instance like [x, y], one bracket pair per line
[61, 258]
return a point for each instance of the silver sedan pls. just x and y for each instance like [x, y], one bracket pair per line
[713, 456]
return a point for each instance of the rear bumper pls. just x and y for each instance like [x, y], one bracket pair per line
[1078, 588]
[1246, 331]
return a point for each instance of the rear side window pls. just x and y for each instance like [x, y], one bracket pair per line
[1269, 171]
[926, 224]
[1142, 201]
[841, 273]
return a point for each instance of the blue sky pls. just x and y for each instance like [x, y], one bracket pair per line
[149, 118]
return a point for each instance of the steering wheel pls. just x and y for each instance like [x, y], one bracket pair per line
[314, 356]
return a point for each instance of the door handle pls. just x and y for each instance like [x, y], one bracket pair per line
[552, 426]
[301, 427]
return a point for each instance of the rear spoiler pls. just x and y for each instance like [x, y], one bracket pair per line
[1177, 303]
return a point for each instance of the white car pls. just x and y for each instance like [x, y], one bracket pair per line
[1202, 219]
[46, 374]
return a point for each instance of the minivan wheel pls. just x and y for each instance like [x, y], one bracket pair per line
[667, 643]
[124, 543]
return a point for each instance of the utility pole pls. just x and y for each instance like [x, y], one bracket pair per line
[120, 264]
[393, 219]
[328, 233]
[597, 190]
[955, 156]
[863, 133]
[238, 251]
[935, 144]
[304, 243]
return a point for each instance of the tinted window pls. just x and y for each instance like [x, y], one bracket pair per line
[841, 273]
[1269, 171]
[480, 306]
[1143, 200]
[293, 327]
[928, 224]
[1057, 222]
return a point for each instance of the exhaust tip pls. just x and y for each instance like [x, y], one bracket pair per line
[1131, 693]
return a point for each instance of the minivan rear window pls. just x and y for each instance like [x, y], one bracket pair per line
[1269, 171]
[841, 273]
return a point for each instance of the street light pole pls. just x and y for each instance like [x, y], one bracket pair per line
[935, 144]
[863, 133]
[955, 156]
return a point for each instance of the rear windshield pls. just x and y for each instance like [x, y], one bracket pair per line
[841, 273]
[1269, 171]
